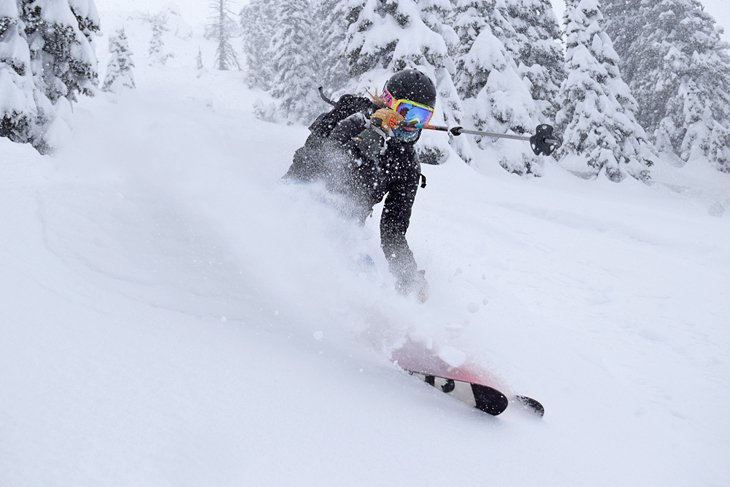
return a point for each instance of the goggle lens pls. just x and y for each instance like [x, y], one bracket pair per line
[411, 111]
[414, 113]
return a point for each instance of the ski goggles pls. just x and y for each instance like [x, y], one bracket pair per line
[411, 111]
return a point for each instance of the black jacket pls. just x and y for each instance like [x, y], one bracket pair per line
[393, 174]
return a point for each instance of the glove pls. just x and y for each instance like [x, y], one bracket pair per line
[387, 119]
[414, 284]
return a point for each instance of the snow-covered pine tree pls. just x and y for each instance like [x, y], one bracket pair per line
[624, 21]
[258, 20]
[333, 17]
[389, 36]
[119, 70]
[62, 57]
[221, 29]
[294, 63]
[501, 27]
[495, 97]
[157, 52]
[538, 51]
[720, 147]
[17, 106]
[59, 34]
[435, 14]
[199, 60]
[678, 67]
[597, 118]
[87, 17]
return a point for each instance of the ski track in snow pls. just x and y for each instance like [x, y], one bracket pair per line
[174, 315]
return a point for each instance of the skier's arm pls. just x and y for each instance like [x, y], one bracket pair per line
[322, 156]
[348, 128]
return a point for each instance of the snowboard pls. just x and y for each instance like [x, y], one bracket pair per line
[483, 397]
[451, 372]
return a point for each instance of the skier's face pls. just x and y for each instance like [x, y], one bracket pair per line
[406, 133]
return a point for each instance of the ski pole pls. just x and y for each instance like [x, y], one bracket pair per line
[544, 142]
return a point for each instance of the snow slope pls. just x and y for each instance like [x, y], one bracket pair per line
[174, 315]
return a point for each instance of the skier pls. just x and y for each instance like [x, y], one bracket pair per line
[363, 149]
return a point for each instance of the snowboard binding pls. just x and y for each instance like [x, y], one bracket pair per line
[447, 386]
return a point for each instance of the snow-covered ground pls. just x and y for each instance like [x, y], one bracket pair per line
[174, 315]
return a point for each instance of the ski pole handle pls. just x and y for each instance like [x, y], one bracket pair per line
[324, 97]
[543, 143]
[439, 128]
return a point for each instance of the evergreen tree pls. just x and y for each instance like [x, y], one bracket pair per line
[640, 62]
[679, 69]
[537, 50]
[119, 70]
[47, 58]
[624, 23]
[597, 119]
[62, 56]
[258, 20]
[157, 52]
[333, 19]
[199, 60]
[495, 97]
[389, 36]
[695, 94]
[222, 28]
[449, 107]
[720, 147]
[296, 81]
[17, 106]
[87, 18]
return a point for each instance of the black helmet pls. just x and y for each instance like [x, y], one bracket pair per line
[411, 84]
